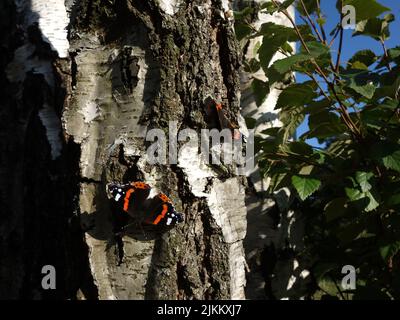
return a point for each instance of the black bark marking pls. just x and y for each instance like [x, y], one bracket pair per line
[120, 249]
[129, 68]
[74, 69]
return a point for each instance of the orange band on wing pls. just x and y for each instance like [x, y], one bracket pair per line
[140, 185]
[218, 106]
[164, 198]
[126, 200]
[162, 215]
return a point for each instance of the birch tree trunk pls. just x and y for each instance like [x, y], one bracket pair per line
[79, 83]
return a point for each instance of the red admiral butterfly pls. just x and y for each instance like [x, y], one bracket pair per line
[133, 199]
[214, 108]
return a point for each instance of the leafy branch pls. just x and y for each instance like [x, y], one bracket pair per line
[349, 186]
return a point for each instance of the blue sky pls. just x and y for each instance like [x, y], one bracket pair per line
[354, 44]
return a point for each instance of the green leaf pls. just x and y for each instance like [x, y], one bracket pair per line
[365, 9]
[359, 65]
[367, 90]
[280, 68]
[320, 53]
[371, 28]
[250, 122]
[285, 64]
[275, 76]
[271, 131]
[286, 47]
[388, 154]
[242, 30]
[322, 132]
[260, 90]
[291, 121]
[335, 209]
[321, 21]
[271, 8]
[286, 4]
[266, 52]
[366, 57]
[300, 147]
[323, 124]
[306, 171]
[362, 179]
[375, 28]
[375, 116]
[394, 53]
[316, 49]
[355, 195]
[256, 48]
[361, 81]
[296, 95]
[273, 30]
[324, 118]
[306, 32]
[328, 285]
[392, 161]
[311, 6]
[318, 106]
[305, 186]
[389, 250]
[275, 36]
[277, 180]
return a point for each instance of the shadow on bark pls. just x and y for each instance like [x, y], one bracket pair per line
[41, 194]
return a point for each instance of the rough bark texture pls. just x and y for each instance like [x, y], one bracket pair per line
[74, 107]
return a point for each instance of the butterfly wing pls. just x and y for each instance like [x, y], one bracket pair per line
[225, 123]
[129, 197]
[142, 191]
[161, 212]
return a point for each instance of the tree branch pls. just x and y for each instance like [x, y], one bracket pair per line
[344, 114]
[314, 27]
[386, 54]
[340, 43]
[334, 37]
[320, 24]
